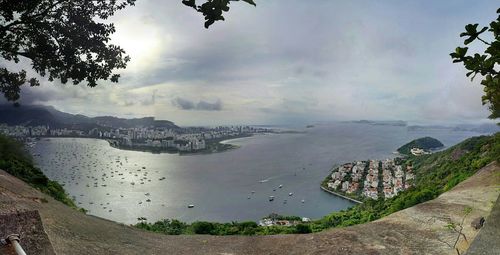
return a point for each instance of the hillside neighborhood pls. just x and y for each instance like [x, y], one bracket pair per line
[371, 179]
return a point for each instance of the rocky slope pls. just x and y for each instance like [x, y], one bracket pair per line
[417, 230]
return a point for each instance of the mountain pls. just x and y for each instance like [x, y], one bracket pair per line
[27, 116]
[424, 143]
[35, 115]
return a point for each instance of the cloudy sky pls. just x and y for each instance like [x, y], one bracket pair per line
[287, 61]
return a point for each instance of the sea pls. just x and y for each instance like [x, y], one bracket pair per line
[234, 185]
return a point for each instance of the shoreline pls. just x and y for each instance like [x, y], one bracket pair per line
[339, 195]
[219, 144]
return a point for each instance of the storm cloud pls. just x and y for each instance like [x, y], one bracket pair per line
[288, 61]
[185, 104]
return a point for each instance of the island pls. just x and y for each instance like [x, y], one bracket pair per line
[420, 146]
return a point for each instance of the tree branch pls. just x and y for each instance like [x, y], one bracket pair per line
[485, 42]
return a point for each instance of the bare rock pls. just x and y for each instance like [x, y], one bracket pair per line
[477, 223]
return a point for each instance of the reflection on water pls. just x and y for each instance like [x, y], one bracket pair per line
[234, 185]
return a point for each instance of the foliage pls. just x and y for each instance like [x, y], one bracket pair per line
[303, 228]
[213, 10]
[275, 216]
[17, 162]
[64, 39]
[424, 143]
[435, 174]
[175, 227]
[485, 64]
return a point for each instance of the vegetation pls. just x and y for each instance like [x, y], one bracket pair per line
[17, 162]
[213, 10]
[424, 143]
[485, 64]
[69, 40]
[65, 40]
[435, 174]
[175, 227]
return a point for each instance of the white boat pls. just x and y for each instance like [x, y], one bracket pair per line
[271, 198]
[190, 206]
[290, 194]
[281, 186]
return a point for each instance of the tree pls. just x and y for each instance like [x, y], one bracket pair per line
[64, 39]
[213, 10]
[69, 40]
[483, 64]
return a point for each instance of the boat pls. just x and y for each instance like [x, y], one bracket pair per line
[290, 194]
[265, 180]
[271, 198]
[190, 206]
[281, 186]
[303, 201]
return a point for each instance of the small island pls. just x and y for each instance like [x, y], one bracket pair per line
[420, 146]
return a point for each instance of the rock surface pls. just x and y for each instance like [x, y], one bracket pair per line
[477, 223]
[417, 230]
[28, 225]
[487, 241]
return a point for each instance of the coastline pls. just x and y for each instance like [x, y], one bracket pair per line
[339, 195]
[213, 146]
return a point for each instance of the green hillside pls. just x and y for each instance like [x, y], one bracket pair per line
[17, 162]
[425, 143]
[435, 174]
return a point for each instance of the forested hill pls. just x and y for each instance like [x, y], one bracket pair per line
[35, 115]
[425, 143]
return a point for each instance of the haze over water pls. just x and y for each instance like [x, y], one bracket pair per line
[220, 185]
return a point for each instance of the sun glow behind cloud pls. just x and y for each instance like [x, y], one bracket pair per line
[287, 61]
[143, 41]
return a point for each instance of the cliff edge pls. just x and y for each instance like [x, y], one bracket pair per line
[421, 229]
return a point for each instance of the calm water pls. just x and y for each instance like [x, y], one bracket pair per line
[219, 185]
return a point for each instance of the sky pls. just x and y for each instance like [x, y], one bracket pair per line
[286, 62]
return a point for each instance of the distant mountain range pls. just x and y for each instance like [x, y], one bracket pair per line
[35, 115]
[400, 123]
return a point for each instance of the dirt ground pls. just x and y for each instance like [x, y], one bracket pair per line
[417, 230]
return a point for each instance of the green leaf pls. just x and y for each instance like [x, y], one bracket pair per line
[250, 2]
[190, 3]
